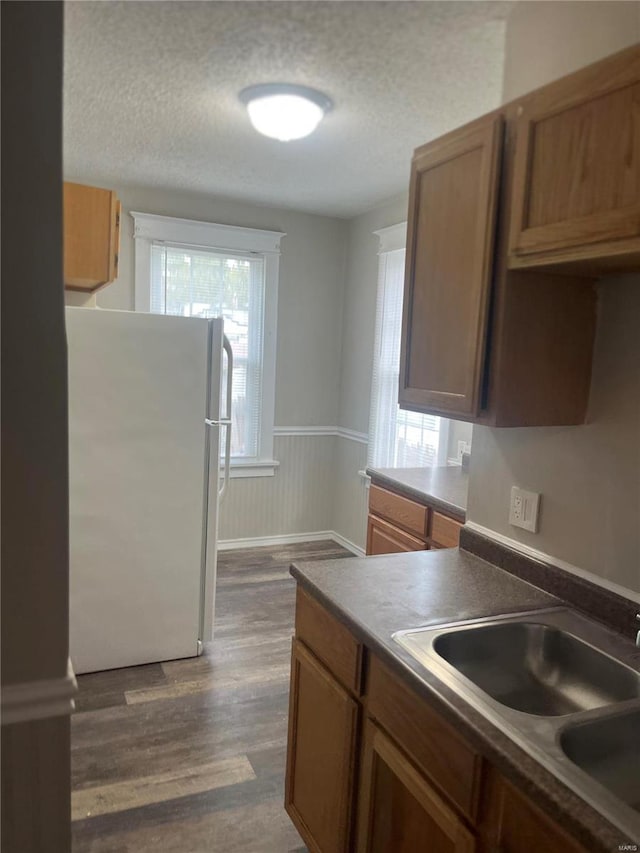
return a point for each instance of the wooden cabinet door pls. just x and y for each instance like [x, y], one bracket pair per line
[385, 538]
[321, 755]
[576, 189]
[91, 237]
[398, 811]
[513, 824]
[450, 241]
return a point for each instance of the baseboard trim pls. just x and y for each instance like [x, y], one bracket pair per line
[540, 556]
[289, 539]
[38, 700]
[348, 544]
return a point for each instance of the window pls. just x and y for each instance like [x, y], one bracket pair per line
[397, 438]
[199, 269]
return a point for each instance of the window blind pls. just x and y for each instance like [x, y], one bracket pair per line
[194, 282]
[397, 439]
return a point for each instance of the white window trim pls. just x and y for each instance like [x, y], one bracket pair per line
[392, 239]
[149, 228]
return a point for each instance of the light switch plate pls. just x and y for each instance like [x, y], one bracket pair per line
[524, 509]
[463, 447]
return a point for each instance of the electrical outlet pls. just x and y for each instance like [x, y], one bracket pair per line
[463, 447]
[524, 509]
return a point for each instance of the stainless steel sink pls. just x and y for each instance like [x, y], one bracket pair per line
[560, 686]
[608, 750]
[537, 668]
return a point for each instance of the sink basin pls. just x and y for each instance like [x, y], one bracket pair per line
[537, 668]
[609, 751]
[552, 680]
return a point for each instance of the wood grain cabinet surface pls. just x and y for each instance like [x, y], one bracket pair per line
[444, 531]
[380, 770]
[512, 823]
[399, 811]
[507, 233]
[397, 524]
[450, 241]
[386, 538]
[91, 237]
[577, 170]
[321, 755]
[399, 510]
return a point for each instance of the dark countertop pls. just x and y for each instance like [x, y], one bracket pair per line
[376, 596]
[444, 488]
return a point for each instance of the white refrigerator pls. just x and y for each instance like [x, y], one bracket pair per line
[146, 413]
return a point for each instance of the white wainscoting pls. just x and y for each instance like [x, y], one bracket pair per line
[351, 493]
[316, 493]
[297, 499]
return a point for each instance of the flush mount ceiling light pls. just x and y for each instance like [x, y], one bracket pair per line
[284, 111]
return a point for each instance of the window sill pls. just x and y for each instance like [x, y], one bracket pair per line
[253, 468]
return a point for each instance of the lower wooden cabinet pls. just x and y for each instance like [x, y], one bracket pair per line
[380, 770]
[398, 810]
[444, 531]
[398, 524]
[321, 756]
[513, 824]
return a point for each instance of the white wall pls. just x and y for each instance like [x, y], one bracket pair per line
[546, 40]
[589, 475]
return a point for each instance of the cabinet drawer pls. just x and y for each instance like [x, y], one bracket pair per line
[445, 532]
[401, 511]
[447, 760]
[329, 640]
[385, 538]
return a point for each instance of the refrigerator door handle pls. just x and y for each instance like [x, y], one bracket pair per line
[226, 421]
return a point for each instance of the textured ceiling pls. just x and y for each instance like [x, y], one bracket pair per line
[150, 93]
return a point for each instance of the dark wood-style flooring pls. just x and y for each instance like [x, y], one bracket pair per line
[188, 756]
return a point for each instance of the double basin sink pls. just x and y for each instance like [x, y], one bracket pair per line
[556, 683]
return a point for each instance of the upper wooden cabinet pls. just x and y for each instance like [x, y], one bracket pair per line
[91, 237]
[452, 204]
[507, 233]
[576, 194]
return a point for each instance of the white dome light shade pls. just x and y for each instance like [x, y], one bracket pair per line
[284, 111]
